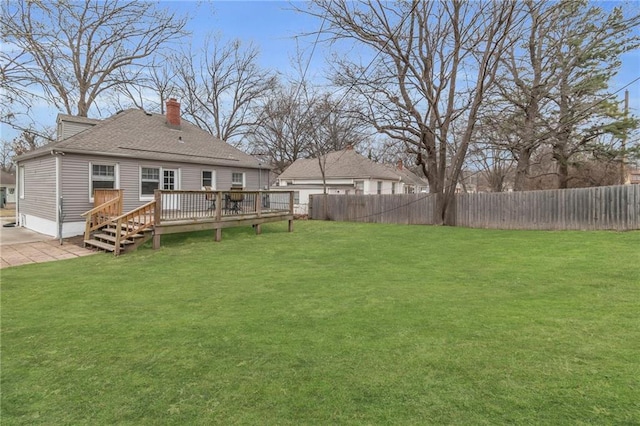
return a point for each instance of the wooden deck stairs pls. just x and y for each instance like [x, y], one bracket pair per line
[130, 238]
[108, 229]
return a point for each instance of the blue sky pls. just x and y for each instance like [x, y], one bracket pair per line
[276, 29]
[273, 26]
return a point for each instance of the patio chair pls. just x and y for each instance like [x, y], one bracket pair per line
[210, 197]
[233, 200]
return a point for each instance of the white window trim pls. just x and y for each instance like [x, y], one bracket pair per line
[21, 181]
[178, 177]
[214, 184]
[116, 175]
[244, 179]
[142, 197]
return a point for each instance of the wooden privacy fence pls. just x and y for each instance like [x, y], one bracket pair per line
[598, 208]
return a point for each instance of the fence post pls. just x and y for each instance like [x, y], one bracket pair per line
[157, 210]
[291, 202]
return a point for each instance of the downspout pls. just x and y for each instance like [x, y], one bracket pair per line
[59, 205]
[17, 168]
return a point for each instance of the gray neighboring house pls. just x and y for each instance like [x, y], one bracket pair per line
[346, 172]
[7, 188]
[133, 150]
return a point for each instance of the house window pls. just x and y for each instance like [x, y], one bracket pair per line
[237, 180]
[359, 186]
[209, 179]
[379, 187]
[393, 187]
[170, 180]
[102, 177]
[149, 181]
[21, 180]
[296, 197]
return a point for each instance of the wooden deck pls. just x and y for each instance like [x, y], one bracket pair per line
[174, 212]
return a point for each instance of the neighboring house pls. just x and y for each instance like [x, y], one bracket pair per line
[7, 188]
[346, 172]
[411, 183]
[633, 177]
[133, 150]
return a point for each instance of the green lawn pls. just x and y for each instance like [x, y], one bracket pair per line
[335, 323]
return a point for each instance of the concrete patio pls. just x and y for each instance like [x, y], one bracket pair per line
[20, 246]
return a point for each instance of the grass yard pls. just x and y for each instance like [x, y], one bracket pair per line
[335, 323]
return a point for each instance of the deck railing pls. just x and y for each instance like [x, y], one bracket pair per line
[219, 205]
[102, 214]
[134, 222]
[101, 196]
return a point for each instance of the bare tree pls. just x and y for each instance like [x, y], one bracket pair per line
[75, 52]
[283, 132]
[432, 64]
[25, 142]
[299, 122]
[219, 92]
[527, 77]
[155, 85]
[6, 156]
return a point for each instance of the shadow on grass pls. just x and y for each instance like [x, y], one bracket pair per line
[208, 236]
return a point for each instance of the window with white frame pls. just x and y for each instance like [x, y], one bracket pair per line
[237, 180]
[149, 181]
[21, 180]
[393, 187]
[379, 187]
[296, 197]
[102, 177]
[209, 178]
[359, 186]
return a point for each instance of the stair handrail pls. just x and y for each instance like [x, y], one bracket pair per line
[145, 218]
[101, 215]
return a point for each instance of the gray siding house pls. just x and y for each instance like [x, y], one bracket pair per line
[135, 151]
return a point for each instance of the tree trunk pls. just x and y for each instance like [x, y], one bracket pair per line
[563, 171]
[522, 169]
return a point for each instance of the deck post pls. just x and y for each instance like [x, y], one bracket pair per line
[156, 241]
[158, 207]
[218, 206]
[258, 228]
[291, 199]
[218, 234]
[290, 225]
[258, 204]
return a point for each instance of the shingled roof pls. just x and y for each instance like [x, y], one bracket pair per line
[134, 133]
[339, 164]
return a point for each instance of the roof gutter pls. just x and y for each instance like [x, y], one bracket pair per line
[64, 151]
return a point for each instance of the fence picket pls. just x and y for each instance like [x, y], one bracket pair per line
[609, 207]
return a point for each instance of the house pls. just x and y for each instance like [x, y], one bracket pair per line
[135, 151]
[346, 172]
[7, 188]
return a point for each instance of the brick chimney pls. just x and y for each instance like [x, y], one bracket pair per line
[400, 165]
[173, 113]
